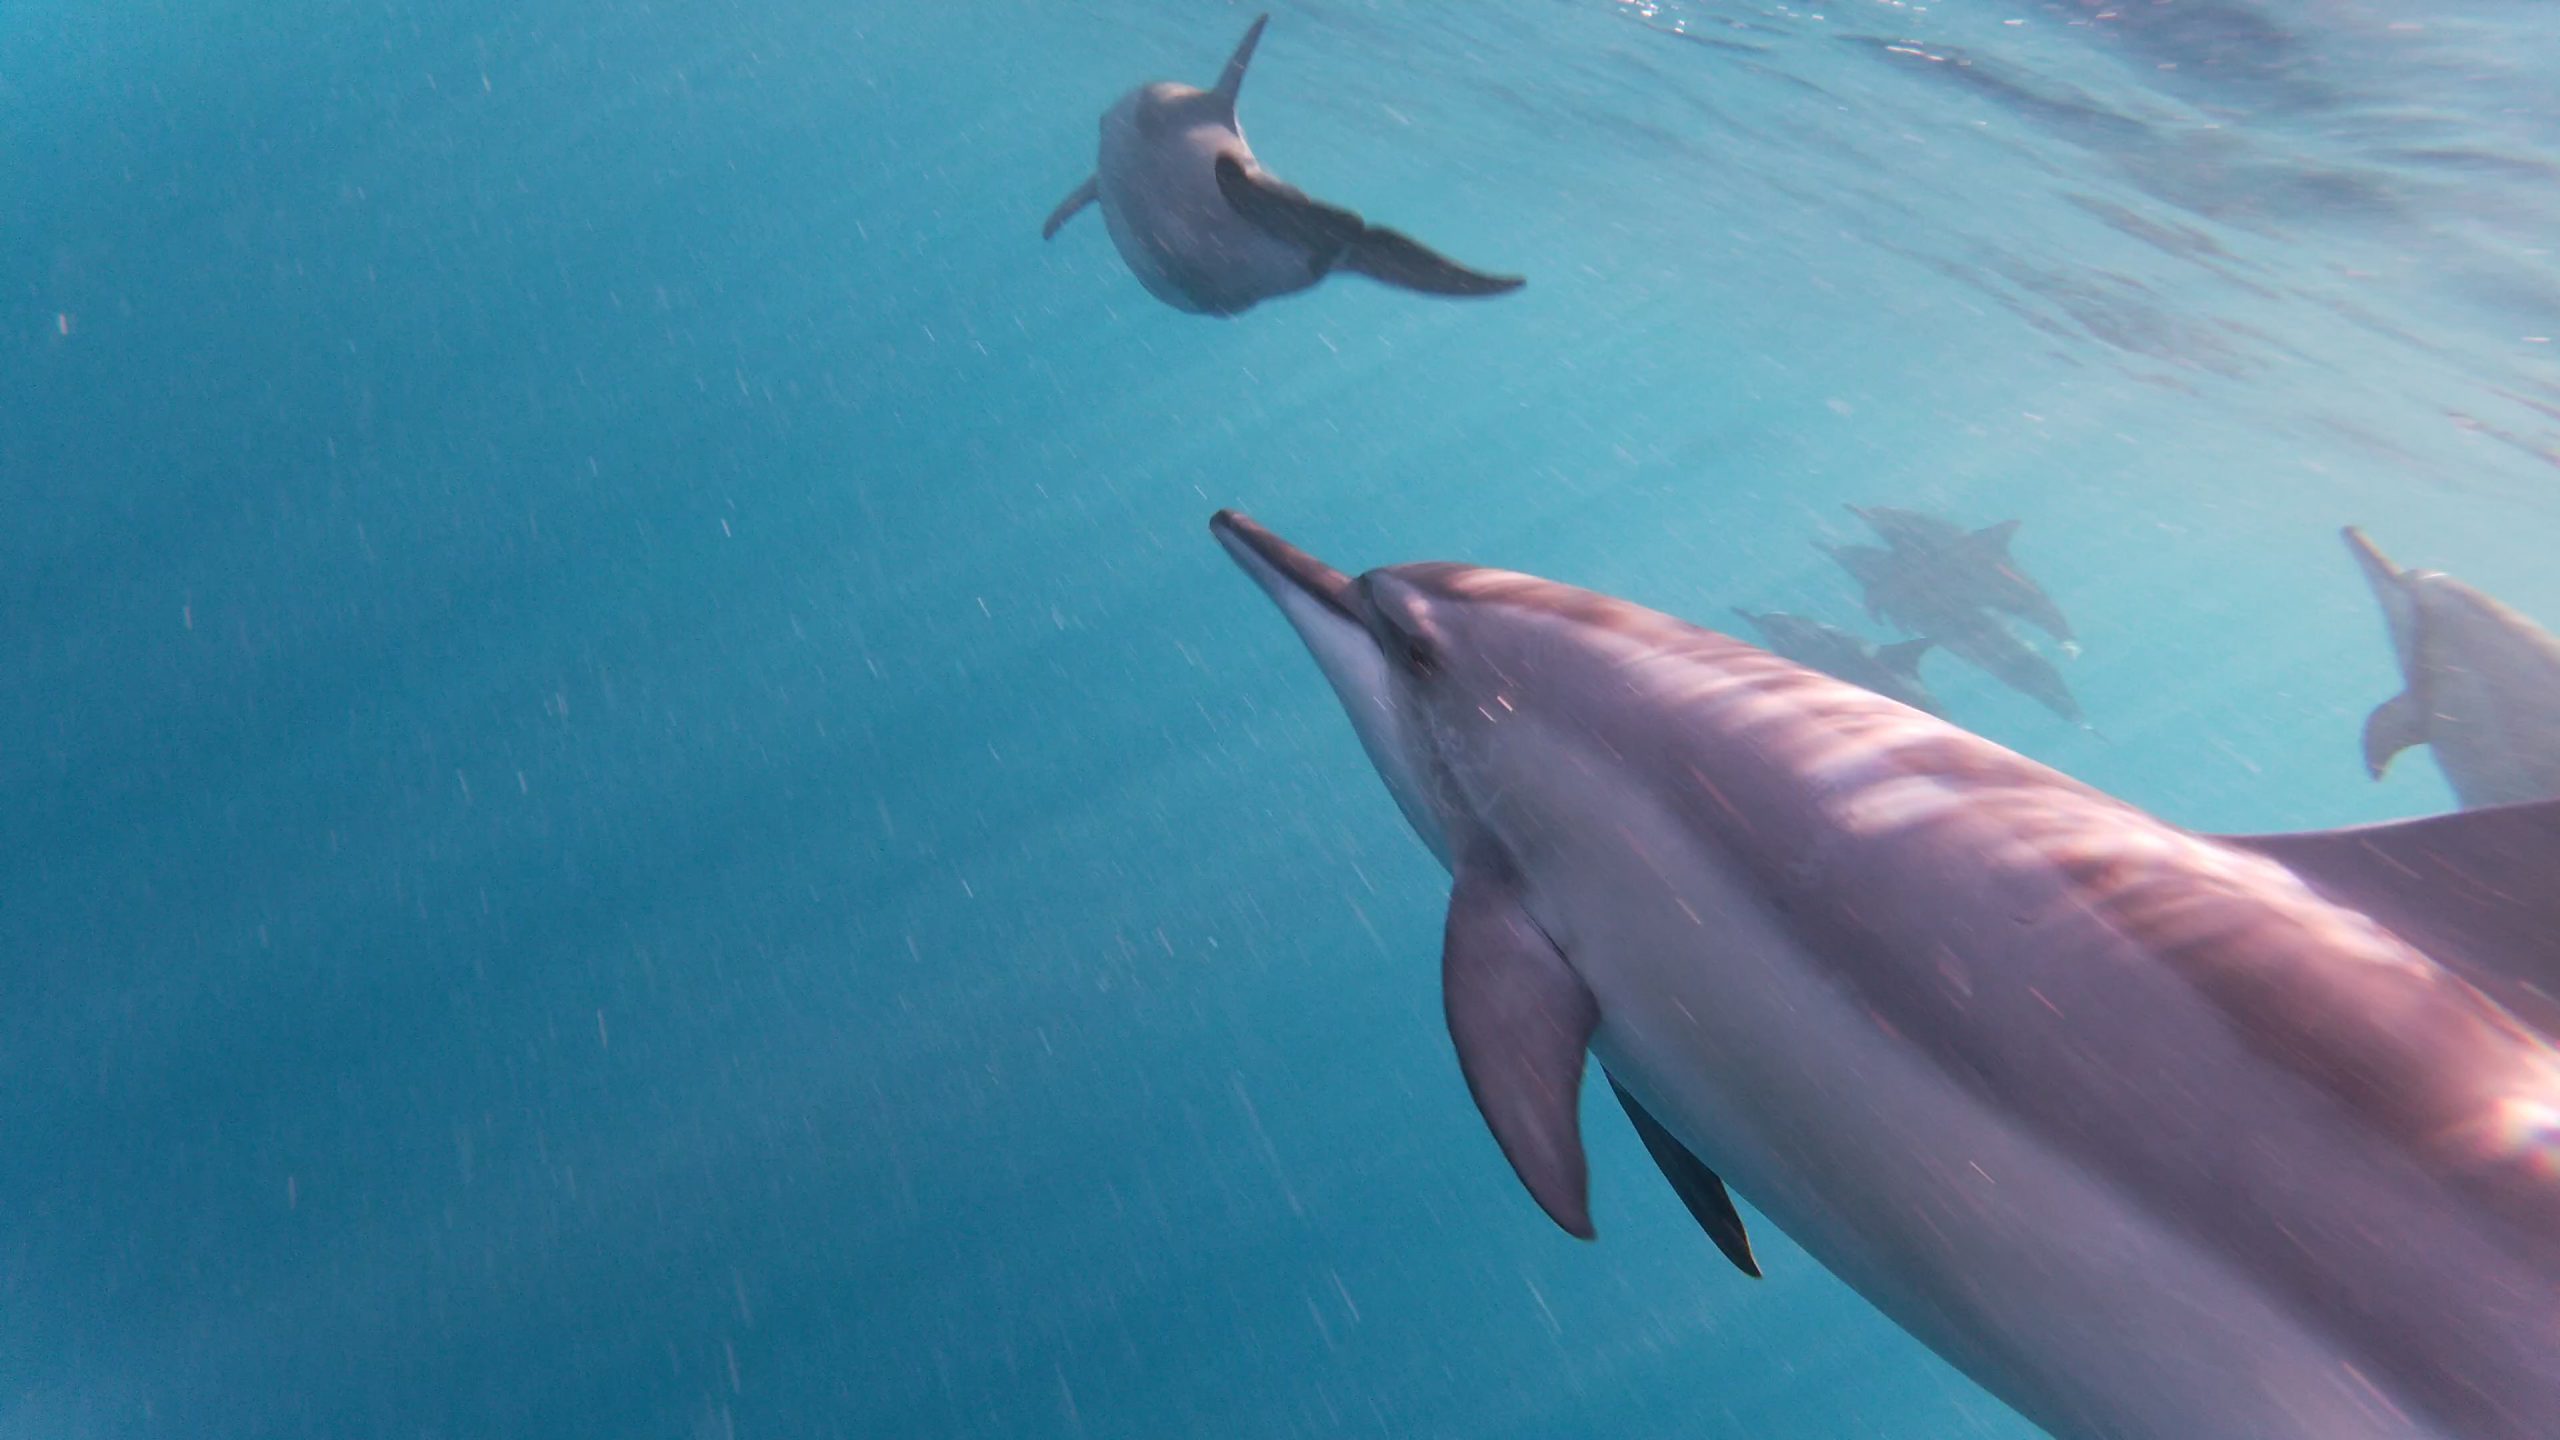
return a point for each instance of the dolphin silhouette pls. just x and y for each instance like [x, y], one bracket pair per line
[1206, 229]
[1975, 563]
[1922, 599]
[2483, 685]
[1892, 671]
[2156, 1135]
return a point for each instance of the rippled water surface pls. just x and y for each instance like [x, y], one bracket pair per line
[636, 805]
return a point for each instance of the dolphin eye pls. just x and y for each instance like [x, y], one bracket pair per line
[1401, 624]
[1410, 642]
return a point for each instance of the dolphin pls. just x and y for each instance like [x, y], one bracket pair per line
[2157, 1135]
[1892, 671]
[1206, 229]
[1915, 597]
[2483, 685]
[1976, 563]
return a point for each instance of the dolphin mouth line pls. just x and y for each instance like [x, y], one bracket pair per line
[1277, 565]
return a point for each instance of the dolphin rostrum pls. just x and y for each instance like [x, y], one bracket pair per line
[1206, 229]
[1892, 671]
[2483, 685]
[2157, 1135]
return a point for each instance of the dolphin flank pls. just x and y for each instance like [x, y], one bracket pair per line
[1206, 229]
[2483, 685]
[2156, 1135]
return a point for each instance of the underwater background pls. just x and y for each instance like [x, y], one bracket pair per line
[633, 801]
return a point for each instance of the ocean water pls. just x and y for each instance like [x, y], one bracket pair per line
[636, 804]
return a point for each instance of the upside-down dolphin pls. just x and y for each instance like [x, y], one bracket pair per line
[2157, 1135]
[1206, 229]
[1892, 671]
[2483, 685]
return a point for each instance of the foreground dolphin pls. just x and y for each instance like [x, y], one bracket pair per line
[1974, 563]
[1892, 671]
[1206, 229]
[1914, 595]
[2484, 685]
[2157, 1135]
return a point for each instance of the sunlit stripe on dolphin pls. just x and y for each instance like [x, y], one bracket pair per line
[2157, 1135]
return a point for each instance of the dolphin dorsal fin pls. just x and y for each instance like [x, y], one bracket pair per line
[1995, 538]
[1903, 656]
[1231, 79]
[2478, 890]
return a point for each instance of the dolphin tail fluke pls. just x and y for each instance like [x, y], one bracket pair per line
[1699, 1188]
[1076, 200]
[1231, 79]
[1522, 1020]
[1400, 260]
[2394, 726]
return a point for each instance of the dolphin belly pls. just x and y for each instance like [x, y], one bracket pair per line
[1178, 234]
[2052, 1285]
[2495, 736]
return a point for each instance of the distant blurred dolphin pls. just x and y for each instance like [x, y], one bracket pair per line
[1975, 563]
[2483, 687]
[1206, 229]
[2157, 1135]
[1892, 671]
[1913, 592]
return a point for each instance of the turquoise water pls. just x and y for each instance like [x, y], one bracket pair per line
[636, 804]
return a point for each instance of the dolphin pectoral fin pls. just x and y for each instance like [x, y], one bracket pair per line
[2394, 726]
[1699, 1188]
[1903, 656]
[1335, 238]
[1082, 196]
[1285, 212]
[1400, 260]
[1231, 80]
[2472, 888]
[1522, 1020]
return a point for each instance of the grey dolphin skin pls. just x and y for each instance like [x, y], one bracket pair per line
[1913, 596]
[2483, 685]
[1974, 563]
[1206, 229]
[2156, 1135]
[1892, 671]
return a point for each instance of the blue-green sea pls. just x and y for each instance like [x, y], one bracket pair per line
[633, 802]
